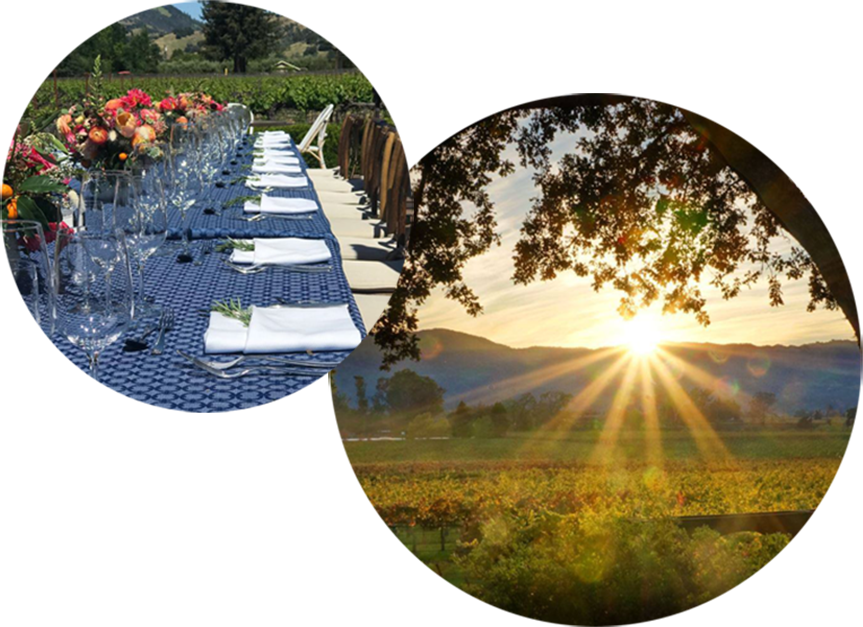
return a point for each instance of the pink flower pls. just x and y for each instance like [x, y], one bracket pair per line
[150, 116]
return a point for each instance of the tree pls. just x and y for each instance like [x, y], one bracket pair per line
[850, 416]
[521, 411]
[716, 410]
[408, 394]
[760, 405]
[500, 422]
[362, 400]
[141, 54]
[655, 201]
[239, 32]
[461, 421]
[427, 426]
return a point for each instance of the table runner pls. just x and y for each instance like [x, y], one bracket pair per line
[170, 381]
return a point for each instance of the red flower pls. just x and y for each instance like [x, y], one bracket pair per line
[30, 244]
[168, 104]
[54, 229]
[136, 98]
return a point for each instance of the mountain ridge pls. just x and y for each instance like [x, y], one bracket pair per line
[475, 369]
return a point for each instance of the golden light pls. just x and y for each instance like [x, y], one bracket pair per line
[641, 335]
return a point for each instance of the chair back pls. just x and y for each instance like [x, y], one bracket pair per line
[318, 129]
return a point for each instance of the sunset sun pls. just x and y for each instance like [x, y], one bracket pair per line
[641, 335]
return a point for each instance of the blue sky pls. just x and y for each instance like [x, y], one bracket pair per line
[192, 8]
[567, 312]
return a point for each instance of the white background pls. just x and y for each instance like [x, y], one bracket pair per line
[162, 520]
[636, 47]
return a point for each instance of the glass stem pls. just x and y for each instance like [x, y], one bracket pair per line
[142, 296]
[95, 398]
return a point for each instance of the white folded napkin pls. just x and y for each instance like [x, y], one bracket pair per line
[285, 251]
[277, 134]
[277, 159]
[264, 142]
[276, 168]
[277, 181]
[283, 330]
[270, 152]
[298, 329]
[225, 335]
[274, 204]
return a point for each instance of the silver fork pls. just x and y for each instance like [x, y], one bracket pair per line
[264, 216]
[166, 323]
[281, 370]
[285, 361]
[262, 268]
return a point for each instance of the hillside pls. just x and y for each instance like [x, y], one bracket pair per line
[163, 21]
[473, 369]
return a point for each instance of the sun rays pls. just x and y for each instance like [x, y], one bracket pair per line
[646, 379]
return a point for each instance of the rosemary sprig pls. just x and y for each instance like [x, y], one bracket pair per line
[235, 244]
[241, 200]
[233, 309]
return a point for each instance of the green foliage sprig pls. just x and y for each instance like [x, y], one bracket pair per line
[235, 244]
[241, 200]
[233, 308]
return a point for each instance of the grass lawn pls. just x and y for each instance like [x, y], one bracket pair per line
[578, 446]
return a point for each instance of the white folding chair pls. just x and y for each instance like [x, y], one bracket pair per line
[319, 131]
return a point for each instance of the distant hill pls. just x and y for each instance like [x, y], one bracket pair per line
[474, 369]
[163, 21]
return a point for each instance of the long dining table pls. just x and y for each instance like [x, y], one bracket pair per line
[189, 289]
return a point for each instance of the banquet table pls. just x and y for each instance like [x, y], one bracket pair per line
[168, 380]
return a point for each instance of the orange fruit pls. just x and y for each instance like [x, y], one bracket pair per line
[7, 191]
[12, 208]
[123, 156]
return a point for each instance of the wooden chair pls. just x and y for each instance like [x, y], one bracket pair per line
[345, 146]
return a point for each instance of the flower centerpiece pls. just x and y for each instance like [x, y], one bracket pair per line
[35, 179]
[187, 107]
[112, 134]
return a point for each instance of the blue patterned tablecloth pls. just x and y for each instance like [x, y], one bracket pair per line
[227, 222]
[170, 381]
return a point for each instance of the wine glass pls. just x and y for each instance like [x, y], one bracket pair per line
[30, 262]
[103, 194]
[145, 227]
[92, 310]
[182, 168]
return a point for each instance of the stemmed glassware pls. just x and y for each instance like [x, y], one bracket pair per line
[145, 228]
[93, 304]
[29, 260]
[182, 174]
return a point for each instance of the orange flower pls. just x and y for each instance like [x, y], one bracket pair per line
[113, 105]
[98, 135]
[182, 120]
[63, 123]
[12, 208]
[143, 135]
[126, 124]
[123, 156]
[7, 191]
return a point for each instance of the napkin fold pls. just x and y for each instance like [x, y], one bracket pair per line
[276, 168]
[277, 181]
[277, 159]
[284, 330]
[298, 329]
[225, 335]
[284, 251]
[274, 204]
